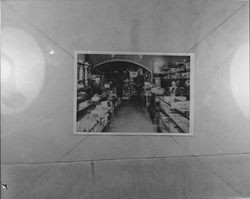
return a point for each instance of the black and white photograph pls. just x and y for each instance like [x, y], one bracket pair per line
[133, 93]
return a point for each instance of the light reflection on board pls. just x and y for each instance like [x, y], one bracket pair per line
[22, 70]
[240, 78]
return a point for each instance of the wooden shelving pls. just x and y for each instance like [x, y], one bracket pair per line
[82, 112]
[83, 89]
[80, 63]
[79, 100]
[181, 122]
[81, 80]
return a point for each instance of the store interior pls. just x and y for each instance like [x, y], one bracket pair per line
[119, 90]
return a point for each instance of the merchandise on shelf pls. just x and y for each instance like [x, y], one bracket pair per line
[95, 98]
[87, 123]
[83, 105]
[157, 90]
[97, 119]
[181, 105]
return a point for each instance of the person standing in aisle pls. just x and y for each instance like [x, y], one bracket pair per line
[96, 87]
[172, 91]
[173, 88]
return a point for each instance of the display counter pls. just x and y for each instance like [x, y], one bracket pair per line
[174, 114]
[97, 119]
[94, 115]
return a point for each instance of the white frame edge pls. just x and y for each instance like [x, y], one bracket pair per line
[192, 74]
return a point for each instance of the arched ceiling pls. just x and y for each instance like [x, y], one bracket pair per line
[119, 66]
[145, 61]
[96, 59]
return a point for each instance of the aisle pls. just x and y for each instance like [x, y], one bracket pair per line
[131, 116]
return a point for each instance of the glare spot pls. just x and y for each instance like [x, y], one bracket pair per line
[22, 70]
[51, 52]
[240, 78]
[6, 68]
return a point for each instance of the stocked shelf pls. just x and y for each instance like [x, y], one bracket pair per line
[97, 126]
[83, 89]
[166, 73]
[81, 80]
[79, 100]
[83, 111]
[167, 125]
[180, 78]
[80, 63]
[181, 121]
[96, 119]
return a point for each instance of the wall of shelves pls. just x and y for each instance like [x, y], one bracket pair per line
[84, 92]
[91, 115]
[180, 73]
[172, 116]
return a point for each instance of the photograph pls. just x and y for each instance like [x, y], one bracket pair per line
[133, 93]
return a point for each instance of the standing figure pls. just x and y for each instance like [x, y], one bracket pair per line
[173, 88]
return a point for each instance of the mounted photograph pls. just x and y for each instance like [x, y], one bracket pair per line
[133, 93]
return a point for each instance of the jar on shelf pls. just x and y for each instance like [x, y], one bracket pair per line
[80, 72]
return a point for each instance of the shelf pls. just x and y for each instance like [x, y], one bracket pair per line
[175, 72]
[80, 63]
[169, 73]
[83, 111]
[177, 78]
[181, 121]
[91, 130]
[167, 125]
[101, 122]
[82, 100]
[99, 126]
[82, 89]
[182, 113]
[81, 80]
[184, 94]
[164, 101]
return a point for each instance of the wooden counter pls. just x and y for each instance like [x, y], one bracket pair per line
[180, 120]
